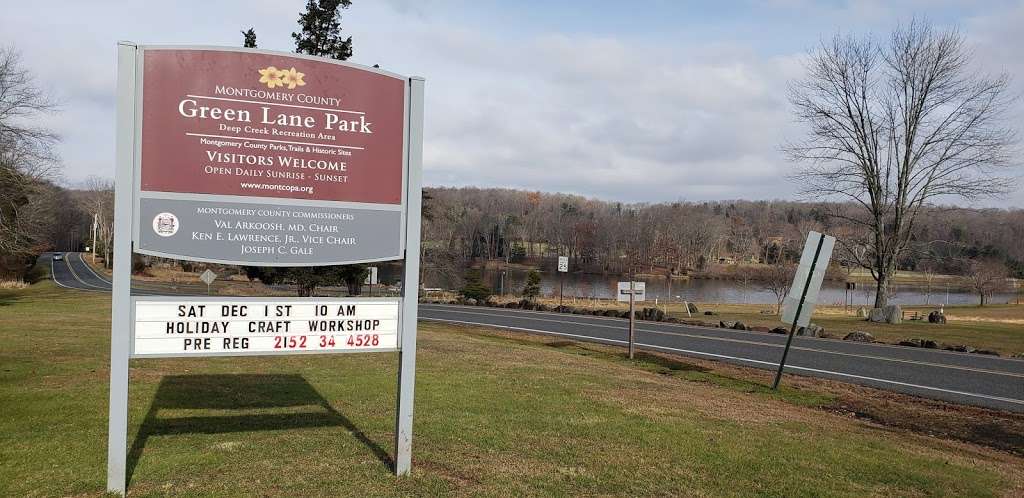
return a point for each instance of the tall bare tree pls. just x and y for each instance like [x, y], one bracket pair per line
[894, 126]
[27, 162]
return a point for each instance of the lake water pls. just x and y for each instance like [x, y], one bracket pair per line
[715, 291]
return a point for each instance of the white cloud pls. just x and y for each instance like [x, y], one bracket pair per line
[630, 116]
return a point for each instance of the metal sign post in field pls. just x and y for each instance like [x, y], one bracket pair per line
[563, 267]
[251, 157]
[633, 292]
[803, 293]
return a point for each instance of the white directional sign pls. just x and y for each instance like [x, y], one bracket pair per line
[371, 276]
[563, 264]
[198, 327]
[639, 292]
[817, 252]
[208, 277]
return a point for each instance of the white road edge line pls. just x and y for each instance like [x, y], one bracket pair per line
[89, 267]
[79, 279]
[513, 311]
[53, 276]
[699, 353]
[767, 344]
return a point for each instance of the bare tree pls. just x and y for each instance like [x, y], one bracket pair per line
[893, 126]
[27, 162]
[98, 205]
[986, 277]
[777, 279]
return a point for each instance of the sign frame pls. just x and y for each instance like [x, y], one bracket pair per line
[128, 152]
[397, 301]
[638, 292]
[799, 304]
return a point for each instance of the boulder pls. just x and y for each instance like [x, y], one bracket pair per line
[692, 308]
[542, 307]
[986, 351]
[739, 326]
[726, 325]
[862, 312]
[890, 314]
[512, 305]
[936, 317]
[710, 313]
[859, 336]
[671, 319]
[959, 348]
[652, 314]
[919, 343]
[614, 313]
[580, 311]
[624, 314]
[471, 301]
[811, 330]
[779, 330]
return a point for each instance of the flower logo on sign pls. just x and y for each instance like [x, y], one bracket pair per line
[274, 77]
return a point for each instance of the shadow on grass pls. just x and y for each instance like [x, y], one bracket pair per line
[240, 392]
[8, 298]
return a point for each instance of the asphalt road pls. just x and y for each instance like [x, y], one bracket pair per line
[958, 377]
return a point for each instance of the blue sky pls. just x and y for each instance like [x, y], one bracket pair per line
[631, 101]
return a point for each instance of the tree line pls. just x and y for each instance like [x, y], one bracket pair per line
[474, 224]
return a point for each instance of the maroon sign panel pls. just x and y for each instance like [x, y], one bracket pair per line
[263, 125]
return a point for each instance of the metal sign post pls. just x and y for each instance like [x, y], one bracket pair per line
[803, 293]
[208, 277]
[563, 267]
[327, 180]
[632, 319]
[632, 292]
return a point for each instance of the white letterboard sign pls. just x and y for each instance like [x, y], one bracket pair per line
[195, 327]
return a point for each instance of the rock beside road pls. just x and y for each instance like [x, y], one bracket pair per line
[936, 317]
[919, 343]
[960, 348]
[859, 336]
[779, 330]
[811, 330]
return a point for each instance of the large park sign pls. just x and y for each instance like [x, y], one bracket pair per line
[242, 156]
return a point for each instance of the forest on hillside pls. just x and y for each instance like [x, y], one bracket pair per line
[467, 225]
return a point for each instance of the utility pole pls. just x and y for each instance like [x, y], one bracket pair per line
[95, 218]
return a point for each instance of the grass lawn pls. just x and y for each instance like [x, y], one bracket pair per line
[496, 415]
[995, 327]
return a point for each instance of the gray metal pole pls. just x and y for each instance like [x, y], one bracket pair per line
[796, 319]
[410, 287]
[632, 318]
[120, 326]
